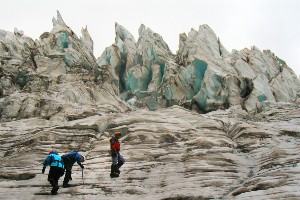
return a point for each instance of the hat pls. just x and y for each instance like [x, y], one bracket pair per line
[52, 151]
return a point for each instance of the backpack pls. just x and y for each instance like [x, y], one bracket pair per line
[55, 159]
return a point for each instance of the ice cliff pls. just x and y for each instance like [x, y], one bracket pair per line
[203, 75]
[60, 69]
[55, 76]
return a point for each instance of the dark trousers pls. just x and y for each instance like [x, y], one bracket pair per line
[68, 176]
[54, 174]
[117, 161]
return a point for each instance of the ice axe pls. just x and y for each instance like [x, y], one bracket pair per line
[82, 176]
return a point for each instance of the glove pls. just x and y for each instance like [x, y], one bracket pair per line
[82, 167]
[43, 170]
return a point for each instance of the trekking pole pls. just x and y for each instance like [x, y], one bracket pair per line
[82, 176]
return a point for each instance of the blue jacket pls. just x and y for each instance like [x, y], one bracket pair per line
[71, 158]
[54, 160]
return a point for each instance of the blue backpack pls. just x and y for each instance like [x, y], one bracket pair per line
[56, 161]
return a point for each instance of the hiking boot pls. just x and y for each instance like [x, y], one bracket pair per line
[54, 191]
[114, 175]
[117, 171]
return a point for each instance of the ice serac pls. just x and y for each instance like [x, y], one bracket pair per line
[16, 60]
[201, 42]
[243, 77]
[153, 75]
[54, 77]
[154, 55]
[202, 76]
[86, 38]
[120, 56]
[62, 41]
[204, 50]
[140, 65]
[267, 74]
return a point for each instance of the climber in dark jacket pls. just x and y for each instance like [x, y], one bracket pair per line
[56, 169]
[69, 160]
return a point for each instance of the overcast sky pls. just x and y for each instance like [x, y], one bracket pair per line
[267, 24]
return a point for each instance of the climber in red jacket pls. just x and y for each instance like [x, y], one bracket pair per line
[117, 159]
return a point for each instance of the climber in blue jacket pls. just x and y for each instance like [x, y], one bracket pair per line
[69, 160]
[56, 169]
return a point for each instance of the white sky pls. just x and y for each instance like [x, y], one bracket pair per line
[267, 24]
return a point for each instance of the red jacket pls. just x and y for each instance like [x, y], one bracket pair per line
[114, 144]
